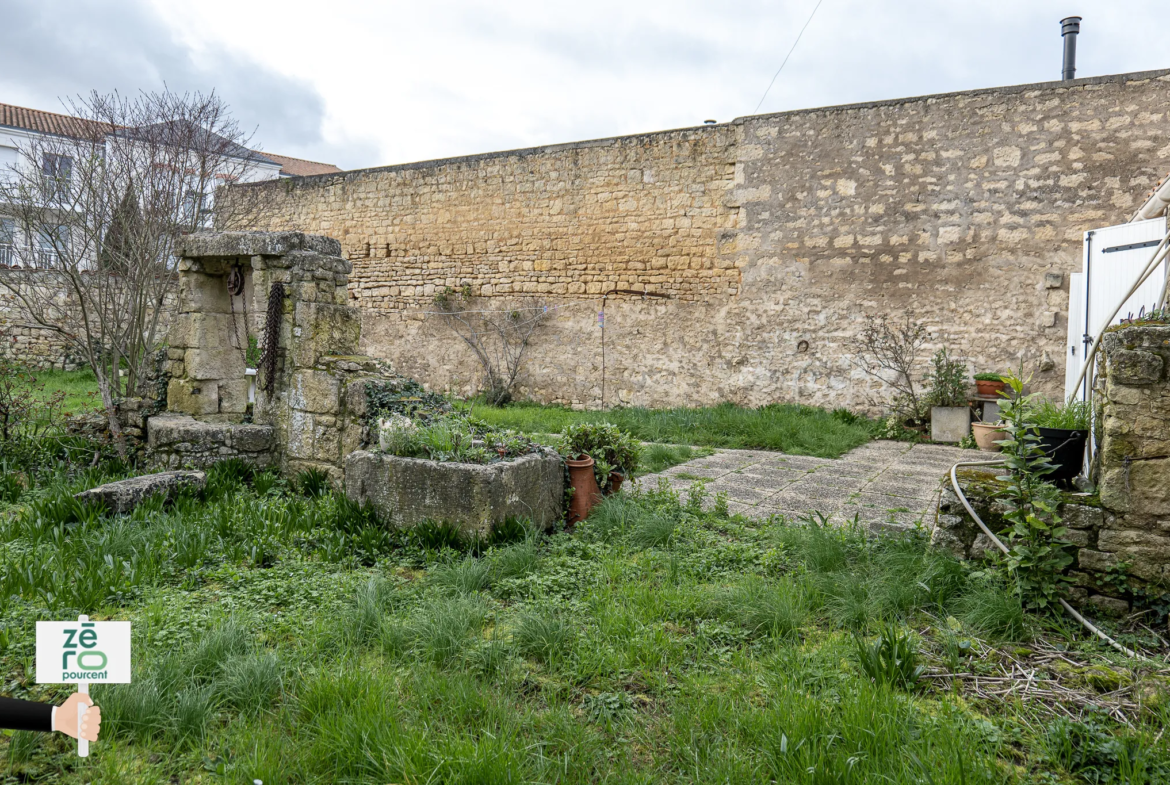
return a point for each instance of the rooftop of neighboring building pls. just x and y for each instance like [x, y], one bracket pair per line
[40, 121]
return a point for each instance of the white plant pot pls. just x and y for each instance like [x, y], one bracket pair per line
[949, 423]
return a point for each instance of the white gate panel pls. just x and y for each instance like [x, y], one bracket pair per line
[1074, 351]
[1114, 258]
[1117, 255]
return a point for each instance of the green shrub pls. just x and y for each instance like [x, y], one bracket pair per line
[947, 381]
[610, 448]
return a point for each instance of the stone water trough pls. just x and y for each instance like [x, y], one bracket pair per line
[409, 491]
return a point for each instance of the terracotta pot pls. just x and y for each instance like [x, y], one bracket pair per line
[989, 388]
[988, 436]
[615, 481]
[585, 490]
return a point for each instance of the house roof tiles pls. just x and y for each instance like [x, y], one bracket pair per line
[66, 125]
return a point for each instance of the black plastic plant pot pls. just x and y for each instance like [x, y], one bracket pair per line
[1066, 450]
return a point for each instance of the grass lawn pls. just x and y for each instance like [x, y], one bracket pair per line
[291, 639]
[79, 387]
[790, 428]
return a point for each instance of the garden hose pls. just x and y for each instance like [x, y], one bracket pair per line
[999, 544]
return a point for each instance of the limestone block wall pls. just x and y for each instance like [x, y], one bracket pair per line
[1135, 450]
[22, 341]
[774, 236]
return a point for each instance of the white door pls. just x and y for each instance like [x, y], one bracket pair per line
[1114, 258]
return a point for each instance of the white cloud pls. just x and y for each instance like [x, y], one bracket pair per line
[405, 81]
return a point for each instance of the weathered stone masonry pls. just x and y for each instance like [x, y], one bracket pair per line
[774, 236]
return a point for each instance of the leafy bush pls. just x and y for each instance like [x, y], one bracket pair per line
[988, 377]
[947, 381]
[610, 448]
[1039, 552]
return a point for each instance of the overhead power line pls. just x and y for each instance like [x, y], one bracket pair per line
[790, 51]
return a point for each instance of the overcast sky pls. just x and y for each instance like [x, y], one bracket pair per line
[363, 83]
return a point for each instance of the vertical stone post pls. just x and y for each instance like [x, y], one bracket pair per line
[305, 402]
[1135, 450]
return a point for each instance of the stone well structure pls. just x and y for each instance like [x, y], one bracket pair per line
[310, 401]
[313, 389]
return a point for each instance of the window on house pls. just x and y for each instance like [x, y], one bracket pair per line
[7, 241]
[57, 169]
[8, 158]
[197, 208]
[51, 242]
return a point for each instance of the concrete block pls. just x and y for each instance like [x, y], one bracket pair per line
[408, 491]
[320, 329]
[233, 396]
[124, 495]
[200, 293]
[949, 423]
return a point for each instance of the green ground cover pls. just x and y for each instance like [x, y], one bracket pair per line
[282, 634]
[790, 428]
[78, 387]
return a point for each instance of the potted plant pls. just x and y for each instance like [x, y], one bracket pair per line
[988, 435]
[1063, 431]
[989, 383]
[950, 416]
[610, 454]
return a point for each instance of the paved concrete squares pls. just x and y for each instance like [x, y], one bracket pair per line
[884, 485]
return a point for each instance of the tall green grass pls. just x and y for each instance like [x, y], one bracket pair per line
[661, 641]
[790, 428]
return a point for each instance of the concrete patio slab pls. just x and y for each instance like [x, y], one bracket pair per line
[888, 486]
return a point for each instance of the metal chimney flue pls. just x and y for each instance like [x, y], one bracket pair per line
[1070, 26]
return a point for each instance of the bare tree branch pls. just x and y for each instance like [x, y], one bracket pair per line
[498, 336]
[98, 212]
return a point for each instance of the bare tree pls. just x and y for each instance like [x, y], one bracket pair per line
[890, 351]
[98, 209]
[499, 335]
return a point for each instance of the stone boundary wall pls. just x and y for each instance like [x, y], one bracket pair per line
[774, 236]
[22, 341]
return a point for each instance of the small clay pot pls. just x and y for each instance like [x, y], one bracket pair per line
[615, 481]
[989, 388]
[988, 436]
[585, 490]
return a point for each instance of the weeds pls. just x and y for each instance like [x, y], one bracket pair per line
[892, 659]
[663, 640]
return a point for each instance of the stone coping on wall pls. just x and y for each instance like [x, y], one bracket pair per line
[235, 244]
